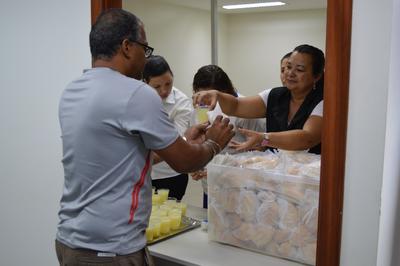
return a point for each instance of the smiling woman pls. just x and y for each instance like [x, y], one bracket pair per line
[334, 129]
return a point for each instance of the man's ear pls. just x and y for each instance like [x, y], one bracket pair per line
[126, 47]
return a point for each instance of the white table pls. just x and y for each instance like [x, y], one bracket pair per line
[194, 248]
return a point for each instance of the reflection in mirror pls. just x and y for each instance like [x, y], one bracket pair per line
[251, 44]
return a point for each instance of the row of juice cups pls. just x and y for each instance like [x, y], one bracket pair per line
[160, 198]
[162, 225]
[166, 214]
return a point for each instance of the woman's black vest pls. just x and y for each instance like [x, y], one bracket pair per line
[278, 111]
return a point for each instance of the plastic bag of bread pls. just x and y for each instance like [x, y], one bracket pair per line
[259, 160]
[288, 214]
[247, 205]
[268, 211]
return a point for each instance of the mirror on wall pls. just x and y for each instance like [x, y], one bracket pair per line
[250, 42]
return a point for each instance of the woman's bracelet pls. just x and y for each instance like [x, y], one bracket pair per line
[265, 141]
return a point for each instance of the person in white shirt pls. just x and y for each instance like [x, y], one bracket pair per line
[213, 77]
[158, 74]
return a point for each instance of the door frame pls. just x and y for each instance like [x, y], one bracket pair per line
[334, 132]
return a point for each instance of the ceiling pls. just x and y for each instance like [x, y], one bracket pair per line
[290, 5]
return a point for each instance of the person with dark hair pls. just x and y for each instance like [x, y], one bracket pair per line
[110, 124]
[293, 112]
[158, 74]
[284, 61]
[213, 77]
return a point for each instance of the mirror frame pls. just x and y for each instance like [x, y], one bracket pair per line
[336, 94]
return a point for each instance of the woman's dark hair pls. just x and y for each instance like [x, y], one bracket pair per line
[155, 66]
[213, 77]
[318, 61]
[111, 28]
[286, 56]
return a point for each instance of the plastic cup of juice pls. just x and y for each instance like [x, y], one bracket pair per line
[165, 225]
[166, 208]
[170, 202]
[155, 199]
[154, 208]
[175, 221]
[201, 114]
[156, 223]
[163, 192]
[175, 211]
[182, 206]
[162, 213]
[150, 232]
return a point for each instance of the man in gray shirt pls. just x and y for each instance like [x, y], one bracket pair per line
[110, 122]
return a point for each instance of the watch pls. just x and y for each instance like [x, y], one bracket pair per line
[265, 140]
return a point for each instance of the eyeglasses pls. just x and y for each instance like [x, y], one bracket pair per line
[147, 49]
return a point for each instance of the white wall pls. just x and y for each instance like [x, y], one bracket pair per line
[256, 43]
[181, 35]
[389, 225]
[367, 118]
[43, 46]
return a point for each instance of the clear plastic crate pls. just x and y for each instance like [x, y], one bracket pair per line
[266, 211]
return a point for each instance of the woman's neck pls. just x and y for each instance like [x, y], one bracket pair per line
[297, 96]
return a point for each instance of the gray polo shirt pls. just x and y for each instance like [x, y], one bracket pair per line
[109, 124]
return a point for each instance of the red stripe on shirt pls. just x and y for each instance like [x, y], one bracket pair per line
[137, 187]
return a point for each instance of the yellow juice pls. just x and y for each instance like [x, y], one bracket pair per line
[175, 211]
[175, 221]
[154, 208]
[149, 233]
[182, 206]
[155, 199]
[201, 114]
[163, 194]
[165, 225]
[156, 224]
[167, 208]
[162, 213]
[171, 202]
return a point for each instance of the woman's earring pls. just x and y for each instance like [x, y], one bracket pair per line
[314, 87]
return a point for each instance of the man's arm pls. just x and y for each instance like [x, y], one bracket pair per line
[185, 157]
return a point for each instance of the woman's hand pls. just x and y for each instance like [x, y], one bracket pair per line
[199, 174]
[208, 98]
[253, 141]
